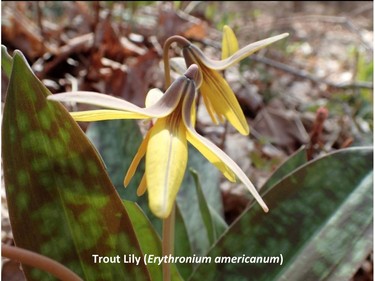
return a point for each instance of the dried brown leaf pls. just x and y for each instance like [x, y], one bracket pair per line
[282, 127]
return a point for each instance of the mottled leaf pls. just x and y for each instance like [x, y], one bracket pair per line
[346, 268]
[118, 141]
[61, 201]
[293, 162]
[6, 61]
[318, 215]
[330, 254]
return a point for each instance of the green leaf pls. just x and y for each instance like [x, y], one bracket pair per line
[117, 142]
[349, 265]
[219, 223]
[6, 61]
[317, 214]
[187, 200]
[203, 208]
[213, 223]
[293, 162]
[330, 254]
[61, 201]
[149, 240]
[182, 245]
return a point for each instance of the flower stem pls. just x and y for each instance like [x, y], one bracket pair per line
[168, 242]
[39, 261]
[178, 39]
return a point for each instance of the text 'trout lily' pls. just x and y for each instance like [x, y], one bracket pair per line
[165, 144]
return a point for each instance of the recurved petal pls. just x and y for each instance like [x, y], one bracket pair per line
[215, 155]
[237, 56]
[165, 164]
[105, 114]
[137, 158]
[163, 107]
[223, 162]
[222, 99]
[96, 99]
[169, 101]
[229, 43]
[203, 146]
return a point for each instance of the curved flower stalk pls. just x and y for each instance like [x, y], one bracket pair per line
[218, 97]
[165, 144]
[229, 46]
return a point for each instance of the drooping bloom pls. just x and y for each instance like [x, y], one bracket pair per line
[165, 144]
[217, 95]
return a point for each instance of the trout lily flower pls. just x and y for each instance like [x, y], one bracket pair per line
[218, 97]
[165, 144]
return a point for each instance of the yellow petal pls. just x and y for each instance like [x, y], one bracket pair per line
[137, 158]
[217, 95]
[214, 154]
[229, 43]
[223, 99]
[142, 186]
[236, 57]
[105, 114]
[165, 163]
[202, 147]
[224, 163]
[208, 104]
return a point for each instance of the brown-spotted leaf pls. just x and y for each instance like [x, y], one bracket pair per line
[61, 201]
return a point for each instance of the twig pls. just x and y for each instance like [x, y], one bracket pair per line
[304, 74]
[40, 23]
[344, 21]
[224, 135]
[39, 261]
[96, 19]
[296, 71]
[78, 44]
[361, 9]
[185, 15]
